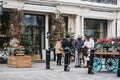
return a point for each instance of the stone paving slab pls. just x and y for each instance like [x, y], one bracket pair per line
[38, 72]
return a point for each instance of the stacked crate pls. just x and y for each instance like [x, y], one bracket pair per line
[19, 61]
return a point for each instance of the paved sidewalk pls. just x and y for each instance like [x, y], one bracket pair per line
[38, 72]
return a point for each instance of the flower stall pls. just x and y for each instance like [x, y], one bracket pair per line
[107, 45]
[106, 54]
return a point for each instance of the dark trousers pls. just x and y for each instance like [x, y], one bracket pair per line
[69, 58]
[59, 57]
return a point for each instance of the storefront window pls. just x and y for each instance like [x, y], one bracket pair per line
[95, 28]
[103, 1]
[30, 20]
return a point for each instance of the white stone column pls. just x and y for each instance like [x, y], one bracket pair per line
[111, 29]
[46, 39]
[118, 27]
[46, 30]
[118, 3]
[82, 25]
[118, 23]
[77, 26]
[118, 20]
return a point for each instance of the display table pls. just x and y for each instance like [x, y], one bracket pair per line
[19, 61]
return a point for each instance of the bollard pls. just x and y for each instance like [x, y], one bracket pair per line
[118, 72]
[66, 60]
[90, 65]
[47, 59]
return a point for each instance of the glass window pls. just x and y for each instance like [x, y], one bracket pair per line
[96, 28]
[103, 1]
[30, 20]
[35, 31]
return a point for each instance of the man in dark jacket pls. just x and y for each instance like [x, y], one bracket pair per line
[78, 43]
[66, 43]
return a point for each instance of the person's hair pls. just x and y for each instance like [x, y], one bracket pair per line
[58, 39]
[79, 36]
[67, 36]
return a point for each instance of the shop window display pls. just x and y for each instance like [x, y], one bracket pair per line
[95, 28]
[4, 28]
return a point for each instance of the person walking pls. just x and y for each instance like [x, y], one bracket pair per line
[78, 45]
[58, 51]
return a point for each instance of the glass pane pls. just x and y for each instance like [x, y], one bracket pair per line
[103, 1]
[30, 20]
[96, 28]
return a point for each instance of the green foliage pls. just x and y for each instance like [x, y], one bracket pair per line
[57, 29]
[26, 41]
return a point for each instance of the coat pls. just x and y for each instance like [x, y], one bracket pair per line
[78, 44]
[58, 48]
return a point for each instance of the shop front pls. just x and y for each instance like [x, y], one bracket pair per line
[98, 21]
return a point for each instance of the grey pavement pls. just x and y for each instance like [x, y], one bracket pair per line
[38, 72]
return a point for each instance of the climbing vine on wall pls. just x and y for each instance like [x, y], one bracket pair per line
[57, 28]
[16, 25]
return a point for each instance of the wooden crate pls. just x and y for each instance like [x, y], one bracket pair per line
[19, 61]
[36, 57]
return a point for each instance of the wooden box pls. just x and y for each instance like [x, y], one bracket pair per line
[36, 57]
[19, 61]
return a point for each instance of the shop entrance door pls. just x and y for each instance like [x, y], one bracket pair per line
[37, 38]
[36, 31]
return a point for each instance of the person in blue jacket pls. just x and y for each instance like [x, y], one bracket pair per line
[78, 45]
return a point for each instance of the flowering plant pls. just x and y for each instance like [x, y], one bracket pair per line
[108, 43]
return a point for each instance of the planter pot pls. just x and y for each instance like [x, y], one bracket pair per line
[19, 61]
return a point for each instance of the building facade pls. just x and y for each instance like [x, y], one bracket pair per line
[98, 18]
